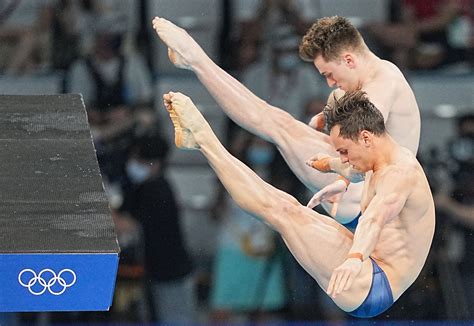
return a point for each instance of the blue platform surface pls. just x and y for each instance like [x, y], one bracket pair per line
[58, 246]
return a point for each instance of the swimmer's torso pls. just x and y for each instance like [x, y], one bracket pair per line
[405, 241]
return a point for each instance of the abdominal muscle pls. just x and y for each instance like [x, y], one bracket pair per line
[400, 255]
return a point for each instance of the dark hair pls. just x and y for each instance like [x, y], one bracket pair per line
[353, 113]
[327, 37]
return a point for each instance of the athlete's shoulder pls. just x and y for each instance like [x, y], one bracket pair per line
[391, 73]
[404, 168]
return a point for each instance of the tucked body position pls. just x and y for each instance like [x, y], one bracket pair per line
[339, 53]
[364, 272]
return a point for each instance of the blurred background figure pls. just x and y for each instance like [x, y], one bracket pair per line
[248, 277]
[72, 27]
[262, 46]
[25, 36]
[458, 205]
[150, 201]
[443, 29]
[283, 79]
[252, 24]
[425, 34]
[114, 84]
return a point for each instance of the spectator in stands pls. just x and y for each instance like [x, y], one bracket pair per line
[283, 79]
[278, 75]
[113, 83]
[25, 33]
[306, 300]
[251, 31]
[109, 78]
[151, 201]
[255, 23]
[393, 40]
[461, 206]
[433, 21]
[464, 213]
[71, 27]
[426, 34]
[248, 277]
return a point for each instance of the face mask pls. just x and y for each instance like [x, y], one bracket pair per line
[287, 62]
[138, 172]
[257, 155]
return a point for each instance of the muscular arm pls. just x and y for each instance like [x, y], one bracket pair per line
[390, 196]
[391, 193]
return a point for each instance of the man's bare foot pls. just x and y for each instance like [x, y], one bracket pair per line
[182, 49]
[186, 119]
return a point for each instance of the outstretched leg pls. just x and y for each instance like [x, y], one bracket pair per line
[296, 141]
[319, 243]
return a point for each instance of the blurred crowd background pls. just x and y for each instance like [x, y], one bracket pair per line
[189, 255]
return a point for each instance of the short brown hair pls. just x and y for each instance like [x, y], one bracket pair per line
[353, 113]
[327, 37]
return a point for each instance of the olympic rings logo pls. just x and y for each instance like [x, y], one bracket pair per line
[46, 280]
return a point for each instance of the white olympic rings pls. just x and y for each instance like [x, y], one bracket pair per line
[47, 283]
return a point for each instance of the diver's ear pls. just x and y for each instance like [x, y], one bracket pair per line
[349, 60]
[366, 137]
